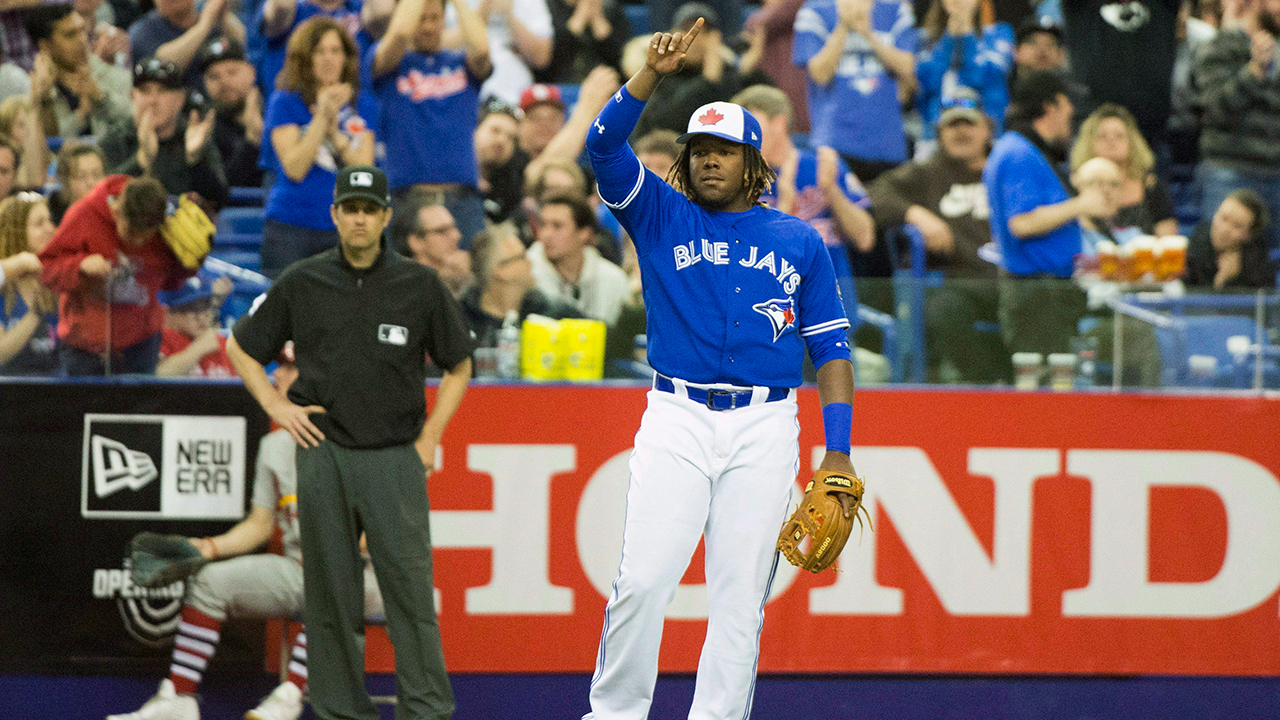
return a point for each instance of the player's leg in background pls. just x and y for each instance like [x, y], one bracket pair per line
[332, 571]
[262, 586]
[266, 586]
[392, 502]
[667, 501]
[749, 502]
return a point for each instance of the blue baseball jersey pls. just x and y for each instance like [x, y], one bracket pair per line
[307, 203]
[984, 64]
[428, 104]
[858, 111]
[732, 297]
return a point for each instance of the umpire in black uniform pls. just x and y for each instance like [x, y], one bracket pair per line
[362, 320]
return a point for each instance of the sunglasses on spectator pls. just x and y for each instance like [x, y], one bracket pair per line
[960, 102]
[156, 70]
[498, 105]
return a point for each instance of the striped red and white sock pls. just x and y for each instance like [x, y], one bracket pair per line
[194, 646]
[298, 663]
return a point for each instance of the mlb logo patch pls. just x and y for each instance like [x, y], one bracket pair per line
[393, 334]
[361, 179]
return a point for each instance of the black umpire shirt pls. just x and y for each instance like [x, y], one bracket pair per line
[361, 338]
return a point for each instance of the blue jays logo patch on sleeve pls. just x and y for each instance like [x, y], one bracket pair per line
[781, 314]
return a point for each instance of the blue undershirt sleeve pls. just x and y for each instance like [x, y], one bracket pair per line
[618, 171]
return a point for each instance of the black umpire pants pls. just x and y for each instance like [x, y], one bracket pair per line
[383, 492]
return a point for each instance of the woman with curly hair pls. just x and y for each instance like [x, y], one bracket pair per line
[28, 310]
[1111, 132]
[317, 121]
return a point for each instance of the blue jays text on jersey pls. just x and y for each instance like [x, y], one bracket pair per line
[731, 297]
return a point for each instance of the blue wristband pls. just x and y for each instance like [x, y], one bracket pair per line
[837, 423]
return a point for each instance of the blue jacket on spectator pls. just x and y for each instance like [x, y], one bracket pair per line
[981, 62]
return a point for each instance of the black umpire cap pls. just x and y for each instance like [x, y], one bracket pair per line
[361, 181]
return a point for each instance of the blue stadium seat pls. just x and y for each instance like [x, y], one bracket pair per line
[888, 328]
[248, 196]
[247, 242]
[638, 17]
[1202, 335]
[569, 94]
[249, 260]
[246, 220]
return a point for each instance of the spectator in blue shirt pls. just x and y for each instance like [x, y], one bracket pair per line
[860, 56]
[277, 19]
[816, 187]
[28, 310]
[428, 97]
[316, 122]
[965, 49]
[1034, 218]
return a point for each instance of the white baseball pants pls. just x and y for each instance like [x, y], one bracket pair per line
[727, 475]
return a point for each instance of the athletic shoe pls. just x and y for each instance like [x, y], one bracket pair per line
[166, 704]
[284, 703]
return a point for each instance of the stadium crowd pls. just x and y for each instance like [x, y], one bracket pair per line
[1015, 139]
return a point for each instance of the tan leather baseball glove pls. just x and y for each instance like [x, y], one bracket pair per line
[189, 233]
[821, 516]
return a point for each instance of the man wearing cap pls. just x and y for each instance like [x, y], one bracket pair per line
[190, 344]
[237, 126]
[363, 319]
[159, 141]
[944, 198]
[543, 111]
[735, 293]
[240, 582]
[1037, 46]
[74, 91]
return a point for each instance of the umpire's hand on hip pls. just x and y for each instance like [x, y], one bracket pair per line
[296, 420]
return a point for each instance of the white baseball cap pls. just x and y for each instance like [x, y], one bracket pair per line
[724, 120]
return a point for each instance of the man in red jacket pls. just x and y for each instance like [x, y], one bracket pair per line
[107, 261]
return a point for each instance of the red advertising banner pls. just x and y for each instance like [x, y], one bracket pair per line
[1014, 533]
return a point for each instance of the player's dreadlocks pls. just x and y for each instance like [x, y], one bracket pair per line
[758, 176]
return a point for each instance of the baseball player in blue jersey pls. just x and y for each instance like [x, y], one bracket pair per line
[735, 292]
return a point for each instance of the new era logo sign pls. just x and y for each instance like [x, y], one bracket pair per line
[116, 467]
[361, 179]
[163, 467]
